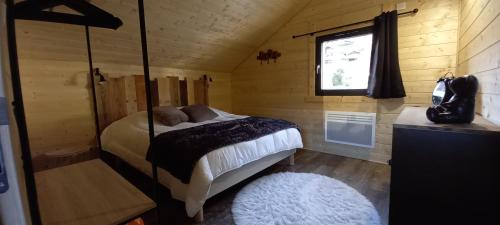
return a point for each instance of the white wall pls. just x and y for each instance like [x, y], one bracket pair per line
[12, 202]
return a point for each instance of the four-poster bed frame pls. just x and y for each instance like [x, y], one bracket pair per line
[92, 16]
[95, 17]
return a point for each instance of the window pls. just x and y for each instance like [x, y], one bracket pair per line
[343, 62]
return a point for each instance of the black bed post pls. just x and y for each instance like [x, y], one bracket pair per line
[20, 116]
[149, 103]
[94, 98]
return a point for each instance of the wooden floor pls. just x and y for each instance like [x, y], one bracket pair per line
[370, 179]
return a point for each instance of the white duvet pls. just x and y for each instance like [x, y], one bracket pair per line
[128, 139]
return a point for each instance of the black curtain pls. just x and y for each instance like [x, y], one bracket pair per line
[385, 76]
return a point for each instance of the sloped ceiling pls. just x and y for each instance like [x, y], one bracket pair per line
[214, 35]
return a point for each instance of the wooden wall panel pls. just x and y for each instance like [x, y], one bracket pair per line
[183, 91]
[479, 52]
[192, 34]
[200, 91]
[117, 98]
[175, 94]
[113, 100]
[140, 92]
[58, 102]
[168, 91]
[427, 47]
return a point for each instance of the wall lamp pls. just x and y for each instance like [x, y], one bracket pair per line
[97, 73]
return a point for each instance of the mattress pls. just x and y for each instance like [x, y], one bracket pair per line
[128, 139]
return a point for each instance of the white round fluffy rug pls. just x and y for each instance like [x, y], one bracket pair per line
[302, 198]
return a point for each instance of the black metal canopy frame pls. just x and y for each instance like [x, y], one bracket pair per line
[90, 16]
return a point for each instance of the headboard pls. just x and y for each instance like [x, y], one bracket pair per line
[121, 96]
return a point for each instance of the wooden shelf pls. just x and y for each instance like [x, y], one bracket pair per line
[89, 192]
[63, 157]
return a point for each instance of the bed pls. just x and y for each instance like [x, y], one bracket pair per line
[127, 138]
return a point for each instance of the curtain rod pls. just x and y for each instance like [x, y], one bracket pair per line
[348, 25]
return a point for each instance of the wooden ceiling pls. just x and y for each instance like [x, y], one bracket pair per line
[193, 34]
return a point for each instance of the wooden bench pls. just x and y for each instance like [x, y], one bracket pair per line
[86, 193]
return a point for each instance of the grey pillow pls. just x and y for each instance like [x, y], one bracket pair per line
[169, 115]
[199, 113]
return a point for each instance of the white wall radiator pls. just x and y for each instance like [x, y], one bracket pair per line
[350, 128]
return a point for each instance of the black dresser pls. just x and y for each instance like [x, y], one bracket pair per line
[444, 174]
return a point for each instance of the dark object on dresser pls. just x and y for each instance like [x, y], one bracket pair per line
[442, 92]
[444, 173]
[460, 107]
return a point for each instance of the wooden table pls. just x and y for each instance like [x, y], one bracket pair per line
[86, 193]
